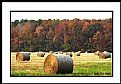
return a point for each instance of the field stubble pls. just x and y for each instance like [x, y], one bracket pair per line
[87, 64]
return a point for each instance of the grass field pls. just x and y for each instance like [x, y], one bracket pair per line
[87, 64]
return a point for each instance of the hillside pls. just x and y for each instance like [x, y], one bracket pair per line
[61, 35]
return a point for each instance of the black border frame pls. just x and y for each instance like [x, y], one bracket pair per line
[61, 11]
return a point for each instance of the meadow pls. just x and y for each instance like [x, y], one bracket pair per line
[87, 64]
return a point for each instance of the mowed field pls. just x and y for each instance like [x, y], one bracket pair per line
[87, 64]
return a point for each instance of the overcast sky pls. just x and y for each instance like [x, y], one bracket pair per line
[59, 15]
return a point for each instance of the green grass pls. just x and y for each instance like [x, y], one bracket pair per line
[80, 69]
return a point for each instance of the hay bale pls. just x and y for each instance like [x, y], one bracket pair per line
[22, 56]
[105, 55]
[60, 52]
[69, 53]
[102, 56]
[19, 57]
[58, 63]
[56, 53]
[97, 53]
[105, 51]
[40, 54]
[77, 53]
[51, 52]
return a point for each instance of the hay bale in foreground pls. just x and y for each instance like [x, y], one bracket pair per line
[40, 54]
[69, 53]
[58, 63]
[105, 55]
[22, 56]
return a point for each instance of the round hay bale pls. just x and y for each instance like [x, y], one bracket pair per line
[78, 53]
[60, 52]
[56, 53]
[97, 53]
[40, 54]
[19, 57]
[51, 52]
[102, 56]
[58, 63]
[105, 55]
[22, 56]
[69, 53]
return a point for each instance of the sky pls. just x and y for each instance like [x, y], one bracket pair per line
[59, 15]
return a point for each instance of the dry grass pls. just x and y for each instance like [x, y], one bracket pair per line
[36, 64]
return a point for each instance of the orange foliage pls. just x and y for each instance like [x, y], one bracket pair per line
[38, 29]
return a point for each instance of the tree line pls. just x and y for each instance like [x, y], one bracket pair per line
[61, 35]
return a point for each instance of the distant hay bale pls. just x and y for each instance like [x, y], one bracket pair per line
[105, 55]
[19, 57]
[69, 53]
[40, 54]
[51, 52]
[58, 63]
[102, 56]
[77, 54]
[22, 56]
[56, 53]
[60, 52]
[105, 51]
[97, 53]
[79, 51]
